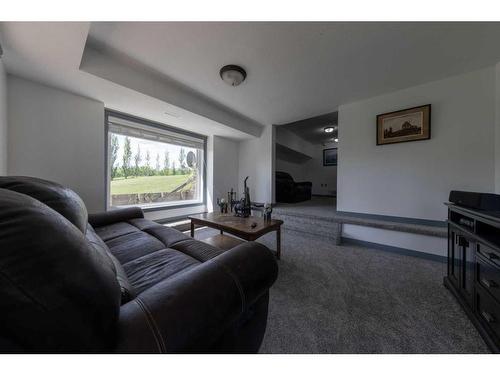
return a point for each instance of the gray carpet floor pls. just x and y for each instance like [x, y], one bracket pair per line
[347, 299]
[316, 206]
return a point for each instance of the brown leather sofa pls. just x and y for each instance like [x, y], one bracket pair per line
[116, 282]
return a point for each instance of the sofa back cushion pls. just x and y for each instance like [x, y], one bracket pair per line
[58, 197]
[284, 176]
[57, 293]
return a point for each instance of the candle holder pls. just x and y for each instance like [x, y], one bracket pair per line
[221, 202]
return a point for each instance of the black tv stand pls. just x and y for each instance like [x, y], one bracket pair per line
[473, 274]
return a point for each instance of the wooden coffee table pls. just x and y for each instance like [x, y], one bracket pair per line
[237, 226]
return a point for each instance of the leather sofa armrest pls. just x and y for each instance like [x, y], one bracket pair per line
[114, 216]
[188, 313]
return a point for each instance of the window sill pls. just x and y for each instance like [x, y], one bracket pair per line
[169, 214]
[163, 207]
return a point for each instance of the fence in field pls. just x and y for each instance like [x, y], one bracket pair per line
[131, 199]
[177, 194]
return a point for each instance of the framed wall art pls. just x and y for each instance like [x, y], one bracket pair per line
[329, 157]
[412, 124]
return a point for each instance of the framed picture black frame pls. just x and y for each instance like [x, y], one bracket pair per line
[387, 136]
[330, 156]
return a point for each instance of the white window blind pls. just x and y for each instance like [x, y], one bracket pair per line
[131, 128]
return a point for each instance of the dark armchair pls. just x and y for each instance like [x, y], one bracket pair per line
[289, 191]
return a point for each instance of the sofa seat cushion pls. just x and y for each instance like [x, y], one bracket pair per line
[143, 224]
[150, 252]
[109, 232]
[133, 245]
[168, 236]
[197, 249]
[150, 269]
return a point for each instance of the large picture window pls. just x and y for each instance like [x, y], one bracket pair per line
[152, 165]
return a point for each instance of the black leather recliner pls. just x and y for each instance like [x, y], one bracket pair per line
[289, 191]
[115, 282]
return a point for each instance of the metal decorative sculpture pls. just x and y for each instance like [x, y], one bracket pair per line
[231, 199]
[243, 207]
[268, 210]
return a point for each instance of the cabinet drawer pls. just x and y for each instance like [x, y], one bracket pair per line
[488, 310]
[489, 277]
[489, 253]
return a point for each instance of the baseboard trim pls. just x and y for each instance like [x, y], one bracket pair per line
[395, 219]
[393, 249]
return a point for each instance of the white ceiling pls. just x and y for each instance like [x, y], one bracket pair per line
[313, 129]
[51, 53]
[295, 70]
[300, 70]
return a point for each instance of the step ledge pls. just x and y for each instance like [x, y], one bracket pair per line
[431, 228]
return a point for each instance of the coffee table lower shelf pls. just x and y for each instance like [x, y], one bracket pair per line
[223, 241]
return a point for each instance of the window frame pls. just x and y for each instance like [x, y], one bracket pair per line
[154, 125]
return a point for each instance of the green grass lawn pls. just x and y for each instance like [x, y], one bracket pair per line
[148, 184]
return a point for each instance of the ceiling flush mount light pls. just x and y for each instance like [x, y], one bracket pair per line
[233, 75]
[329, 129]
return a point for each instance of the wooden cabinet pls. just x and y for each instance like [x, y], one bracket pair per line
[474, 268]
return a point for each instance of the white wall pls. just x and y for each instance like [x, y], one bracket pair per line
[209, 160]
[3, 120]
[319, 174]
[410, 241]
[225, 168]
[414, 179]
[294, 142]
[57, 136]
[311, 169]
[256, 160]
[296, 170]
